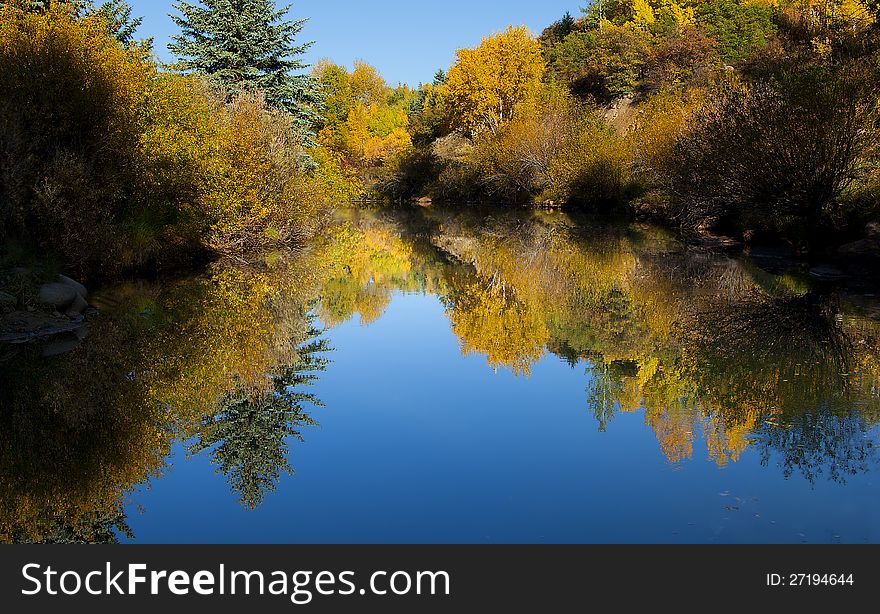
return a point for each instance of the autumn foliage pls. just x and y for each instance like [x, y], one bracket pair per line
[486, 84]
[731, 115]
[111, 164]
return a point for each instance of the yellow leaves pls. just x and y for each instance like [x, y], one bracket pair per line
[485, 85]
[365, 125]
[726, 440]
[682, 15]
[339, 179]
[642, 13]
[663, 118]
[230, 169]
[75, 61]
[371, 134]
[488, 318]
[166, 162]
[853, 13]
[367, 85]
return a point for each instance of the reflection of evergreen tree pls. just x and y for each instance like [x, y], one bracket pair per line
[248, 436]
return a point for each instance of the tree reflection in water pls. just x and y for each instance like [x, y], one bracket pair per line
[711, 350]
[247, 438]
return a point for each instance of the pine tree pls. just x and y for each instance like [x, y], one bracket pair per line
[249, 44]
[117, 13]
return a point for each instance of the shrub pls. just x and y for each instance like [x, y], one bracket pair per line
[775, 151]
[594, 168]
[555, 150]
[662, 120]
[111, 163]
[227, 176]
[70, 102]
[339, 180]
[516, 163]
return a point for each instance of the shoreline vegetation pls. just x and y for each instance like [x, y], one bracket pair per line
[179, 234]
[733, 122]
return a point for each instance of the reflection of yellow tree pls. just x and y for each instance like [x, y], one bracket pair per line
[727, 441]
[674, 428]
[368, 265]
[488, 318]
[742, 360]
[68, 452]
[161, 360]
[697, 343]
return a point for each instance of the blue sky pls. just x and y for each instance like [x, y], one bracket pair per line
[406, 40]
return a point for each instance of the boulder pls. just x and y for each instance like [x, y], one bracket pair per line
[77, 308]
[872, 230]
[23, 326]
[80, 289]
[57, 295]
[861, 248]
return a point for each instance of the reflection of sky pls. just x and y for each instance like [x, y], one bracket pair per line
[418, 444]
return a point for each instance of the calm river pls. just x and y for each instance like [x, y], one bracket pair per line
[436, 377]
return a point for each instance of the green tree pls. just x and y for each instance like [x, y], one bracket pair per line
[558, 30]
[117, 14]
[249, 44]
[740, 29]
[248, 436]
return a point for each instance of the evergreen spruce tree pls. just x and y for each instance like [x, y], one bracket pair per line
[122, 25]
[249, 44]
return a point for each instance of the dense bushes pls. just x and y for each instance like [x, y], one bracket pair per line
[111, 164]
[70, 100]
[725, 115]
[363, 134]
[515, 141]
[775, 153]
[555, 151]
[516, 164]
[748, 118]
[229, 174]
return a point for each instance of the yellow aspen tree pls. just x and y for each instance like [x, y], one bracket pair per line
[485, 85]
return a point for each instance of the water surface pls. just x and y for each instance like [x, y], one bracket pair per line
[478, 377]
